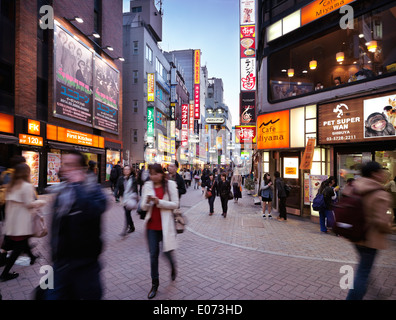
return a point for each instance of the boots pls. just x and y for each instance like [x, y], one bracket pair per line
[154, 289]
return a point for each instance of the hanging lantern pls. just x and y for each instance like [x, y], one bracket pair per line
[290, 72]
[340, 56]
[313, 64]
[372, 46]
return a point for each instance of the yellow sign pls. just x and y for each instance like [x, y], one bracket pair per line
[197, 66]
[150, 87]
[30, 140]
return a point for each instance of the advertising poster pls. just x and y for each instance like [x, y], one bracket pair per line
[33, 161]
[245, 134]
[247, 108]
[54, 164]
[73, 78]
[150, 87]
[106, 96]
[248, 42]
[247, 12]
[112, 158]
[314, 184]
[248, 74]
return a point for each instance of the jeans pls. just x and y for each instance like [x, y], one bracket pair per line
[211, 201]
[322, 220]
[282, 208]
[367, 256]
[76, 279]
[224, 204]
[154, 238]
[129, 221]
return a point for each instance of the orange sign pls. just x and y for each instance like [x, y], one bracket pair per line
[319, 8]
[30, 140]
[150, 87]
[6, 123]
[273, 130]
[306, 162]
[197, 66]
[73, 136]
[33, 127]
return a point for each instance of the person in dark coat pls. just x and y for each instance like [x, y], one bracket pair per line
[224, 188]
[173, 175]
[280, 187]
[327, 188]
[211, 186]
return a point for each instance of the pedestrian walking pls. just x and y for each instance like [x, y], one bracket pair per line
[76, 242]
[173, 175]
[236, 182]
[376, 202]
[187, 177]
[280, 188]
[126, 188]
[391, 188]
[266, 194]
[197, 177]
[211, 190]
[115, 173]
[224, 189]
[21, 206]
[159, 198]
[326, 215]
[204, 178]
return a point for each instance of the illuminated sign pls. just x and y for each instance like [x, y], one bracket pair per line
[197, 103]
[248, 43]
[33, 127]
[150, 87]
[191, 118]
[273, 130]
[30, 140]
[290, 168]
[184, 131]
[245, 134]
[150, 121]
[248, 74]
[74, 137]
[319, 8]
[215, 120]
[6, 123]
[197, 66]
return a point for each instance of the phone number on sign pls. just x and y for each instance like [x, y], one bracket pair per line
[341, 138]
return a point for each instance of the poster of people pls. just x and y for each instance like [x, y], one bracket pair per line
[106, 96]
[54, 164]
[33, 161]
[380, 117]
[73, 78]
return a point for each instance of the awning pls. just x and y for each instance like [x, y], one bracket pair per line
[8, 139]
[65, 146]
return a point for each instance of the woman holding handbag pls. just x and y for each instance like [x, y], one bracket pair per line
[159, 198]
[210, 192]
[21, 207]
[126, 188]
[224, 191]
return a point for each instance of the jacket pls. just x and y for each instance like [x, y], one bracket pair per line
[280, 187]
[76, 221]
[328, 194]
[236, 178]
[181, 186]
[223, 189]
[127, 190]
[376, 202]
[169, 202]
[212, 186]
[266, 190]
[20, 204]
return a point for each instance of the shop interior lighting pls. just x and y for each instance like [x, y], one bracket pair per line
[372, 46]
[313, 64]
[290, 72]
[340, 56]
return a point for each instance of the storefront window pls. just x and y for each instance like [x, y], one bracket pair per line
[342, 56]
[33, 161]
[112, 157]
[54, 164]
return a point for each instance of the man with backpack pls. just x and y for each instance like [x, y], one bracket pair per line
[375, 202]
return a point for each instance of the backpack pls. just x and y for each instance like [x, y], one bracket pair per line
[114, 174]
[318, 203]
[350, 221]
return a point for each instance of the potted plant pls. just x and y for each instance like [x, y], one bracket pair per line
[249, 185]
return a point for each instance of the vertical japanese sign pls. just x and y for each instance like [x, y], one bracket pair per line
[150, 87]
[247, 38]
[150, 122]
[197, 81]
[184, 131]
[191, 119]
[306, 162]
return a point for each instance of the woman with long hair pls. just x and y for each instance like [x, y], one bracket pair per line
[266, 194]
[126, 188]
[20, 204]
[159, 198]
[211, 186]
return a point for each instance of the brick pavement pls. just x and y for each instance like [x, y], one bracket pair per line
[242, 257]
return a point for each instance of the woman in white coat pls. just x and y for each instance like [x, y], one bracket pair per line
[159, 198]
[20, 204]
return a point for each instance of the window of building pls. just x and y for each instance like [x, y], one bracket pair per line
[98, 18]
[149, 54]
[137, 9]
[135, 106]
[135, 47]
[135, 136]
[339, 57]
[135, 76]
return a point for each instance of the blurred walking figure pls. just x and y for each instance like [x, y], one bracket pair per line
[280, 187]
[224, 189]
[159, 198]
[236, 182]
[266, 194]
[76, 242]
[173, 175]
[187, 177]
[211, 191]
[115, 173]
[376, 202]
[126, 188]
[328, 189]
[20, 204]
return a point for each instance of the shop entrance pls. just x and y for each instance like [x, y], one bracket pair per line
[290, 163]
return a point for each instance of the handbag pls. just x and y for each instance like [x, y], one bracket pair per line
[208, 194]
[230, 196]
[180, 222]
[141, 212]
[39, 228]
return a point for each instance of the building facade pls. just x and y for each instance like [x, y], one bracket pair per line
[61, 86]
[325, 76]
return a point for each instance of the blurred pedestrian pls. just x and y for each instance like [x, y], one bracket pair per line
[280, 188]
[197, 178]
[236, 182]
[376, 202]
[391, 188]
[224, 189]
[266, 194]
[173, 175]
[126, 188]
[204, 178]
[328, 189]
[76, 242]
[187, 177]
[159, 198]
[211, 187]
[91, 172]
[20, 207]
[115, 173]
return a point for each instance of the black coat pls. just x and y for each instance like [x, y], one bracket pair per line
[211, 186]
[223, 189]
[119, 188]
[181, 186]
